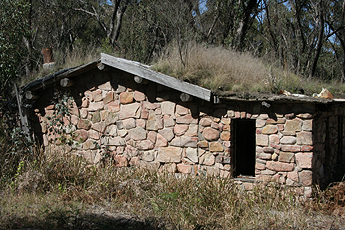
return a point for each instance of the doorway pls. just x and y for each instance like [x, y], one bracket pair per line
[244, 147]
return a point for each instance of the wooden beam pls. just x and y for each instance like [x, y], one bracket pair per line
[216, 100]
[140, 80]
[143, 71]
[23, 117]
[30, 95]
[66, 82]
[100, 66]
[186, 97]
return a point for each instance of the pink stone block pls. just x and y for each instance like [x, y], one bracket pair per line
[211, 134]
[279, 166]
[84, 124]
[97, 95]
[181, 110]
[139, 96]
[277, 147]
[114, 106]
[94, 106]
[291, 148]
[293, 176]
[214, 125]
[161, 141]
[288, 140]
[145, 145]
[182, 168]
[88, 95]
[304, 138]
[226, 144]
[180, 129]
[260, 123]
[141, 123]
[260, 166]
[80, 135]
[226, 127]
[306, 177]
[148, 105]
[307, 148]
[121, 161]
[152, 136]
[144, 114]
[280, 127]
[289, 116]
[126, 97]
[262, 140]
[187, 119]
[274, 139]
[205, 121]
[304, 160]
[293, 125]
[93, 134]
[85, 103]
[109, 97]
[270, 129]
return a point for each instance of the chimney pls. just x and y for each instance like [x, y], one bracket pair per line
[48, 58]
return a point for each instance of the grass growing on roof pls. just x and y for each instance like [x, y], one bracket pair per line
[219, 68]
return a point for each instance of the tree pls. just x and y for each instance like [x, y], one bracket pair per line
[108, 15]
[13, 30]
[335, 21]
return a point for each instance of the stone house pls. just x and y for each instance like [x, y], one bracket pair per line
[120, 108]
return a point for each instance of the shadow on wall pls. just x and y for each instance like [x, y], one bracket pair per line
[120, 81]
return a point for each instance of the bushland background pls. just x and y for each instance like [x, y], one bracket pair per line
[235, 45]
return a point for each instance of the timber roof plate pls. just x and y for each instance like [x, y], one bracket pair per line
[132, 67]
[143, 71]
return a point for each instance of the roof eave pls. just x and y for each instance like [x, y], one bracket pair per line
[145, 72]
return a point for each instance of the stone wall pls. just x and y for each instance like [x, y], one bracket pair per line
[329, 140]
[148, 125]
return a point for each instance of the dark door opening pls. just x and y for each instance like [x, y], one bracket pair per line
[244, 147]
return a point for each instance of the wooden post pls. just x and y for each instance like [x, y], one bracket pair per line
[66, 82]
[23, 118]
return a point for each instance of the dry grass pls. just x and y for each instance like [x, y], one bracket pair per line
[67, 59]
[63, 192]
[210, 67]
[217, 67]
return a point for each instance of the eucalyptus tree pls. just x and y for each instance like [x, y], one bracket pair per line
[13, 30]
[108, 14]
[335, 26]
[230, 21]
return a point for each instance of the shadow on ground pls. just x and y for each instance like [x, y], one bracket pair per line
[84, 221]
